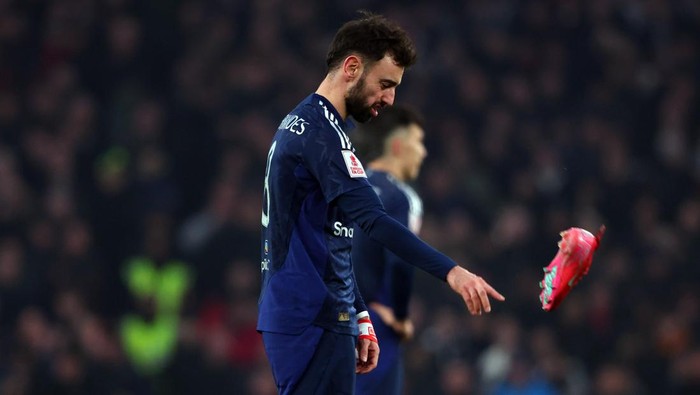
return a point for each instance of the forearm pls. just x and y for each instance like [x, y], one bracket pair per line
[364, 208]
[407, 246]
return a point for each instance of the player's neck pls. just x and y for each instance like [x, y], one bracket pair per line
[388, 165]
[334, 92]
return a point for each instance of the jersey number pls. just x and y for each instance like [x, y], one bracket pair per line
[266, 189]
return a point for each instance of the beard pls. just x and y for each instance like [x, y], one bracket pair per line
[355, 102]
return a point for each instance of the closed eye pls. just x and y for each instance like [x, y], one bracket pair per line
[386, 84]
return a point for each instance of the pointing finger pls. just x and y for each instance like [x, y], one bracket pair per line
[495, 294]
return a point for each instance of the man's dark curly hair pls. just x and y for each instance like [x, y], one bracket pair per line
[372, 36]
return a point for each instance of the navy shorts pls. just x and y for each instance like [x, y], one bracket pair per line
[314, 362]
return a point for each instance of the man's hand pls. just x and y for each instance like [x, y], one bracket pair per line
[367, 344]
[403, 328]
[474, 290]
[368, 355]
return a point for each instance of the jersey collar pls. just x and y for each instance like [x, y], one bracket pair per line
[318, 100]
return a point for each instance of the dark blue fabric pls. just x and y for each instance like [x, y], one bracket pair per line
[383, 276]
[332, 368]
[315, 362]
[307, 275]
[364, 207]
[290, 355]
[387, 279]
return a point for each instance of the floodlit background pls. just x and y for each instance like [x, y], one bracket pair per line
[133, 136]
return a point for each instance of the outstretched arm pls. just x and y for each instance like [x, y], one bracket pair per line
[363, 206]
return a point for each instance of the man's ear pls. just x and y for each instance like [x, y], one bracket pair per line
[352, 67]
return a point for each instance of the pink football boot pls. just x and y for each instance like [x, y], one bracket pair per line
[571, 263]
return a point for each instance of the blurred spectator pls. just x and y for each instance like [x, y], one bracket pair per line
[133, 129]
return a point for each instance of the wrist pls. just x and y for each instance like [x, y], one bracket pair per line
[365, 327]
[454, 274]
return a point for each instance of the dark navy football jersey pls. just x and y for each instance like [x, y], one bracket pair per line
[307, 275]
[382, 276]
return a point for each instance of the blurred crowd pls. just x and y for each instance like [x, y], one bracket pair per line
[133, 136]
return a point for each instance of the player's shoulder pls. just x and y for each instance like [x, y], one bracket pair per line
[382, 179]
[314, 116]
[301, 121]
[384, 184]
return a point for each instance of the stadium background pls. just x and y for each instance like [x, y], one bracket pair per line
[132, 143]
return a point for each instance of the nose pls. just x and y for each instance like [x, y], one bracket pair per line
[389, 96]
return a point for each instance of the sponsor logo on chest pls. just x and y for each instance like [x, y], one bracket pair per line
[341, 230]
